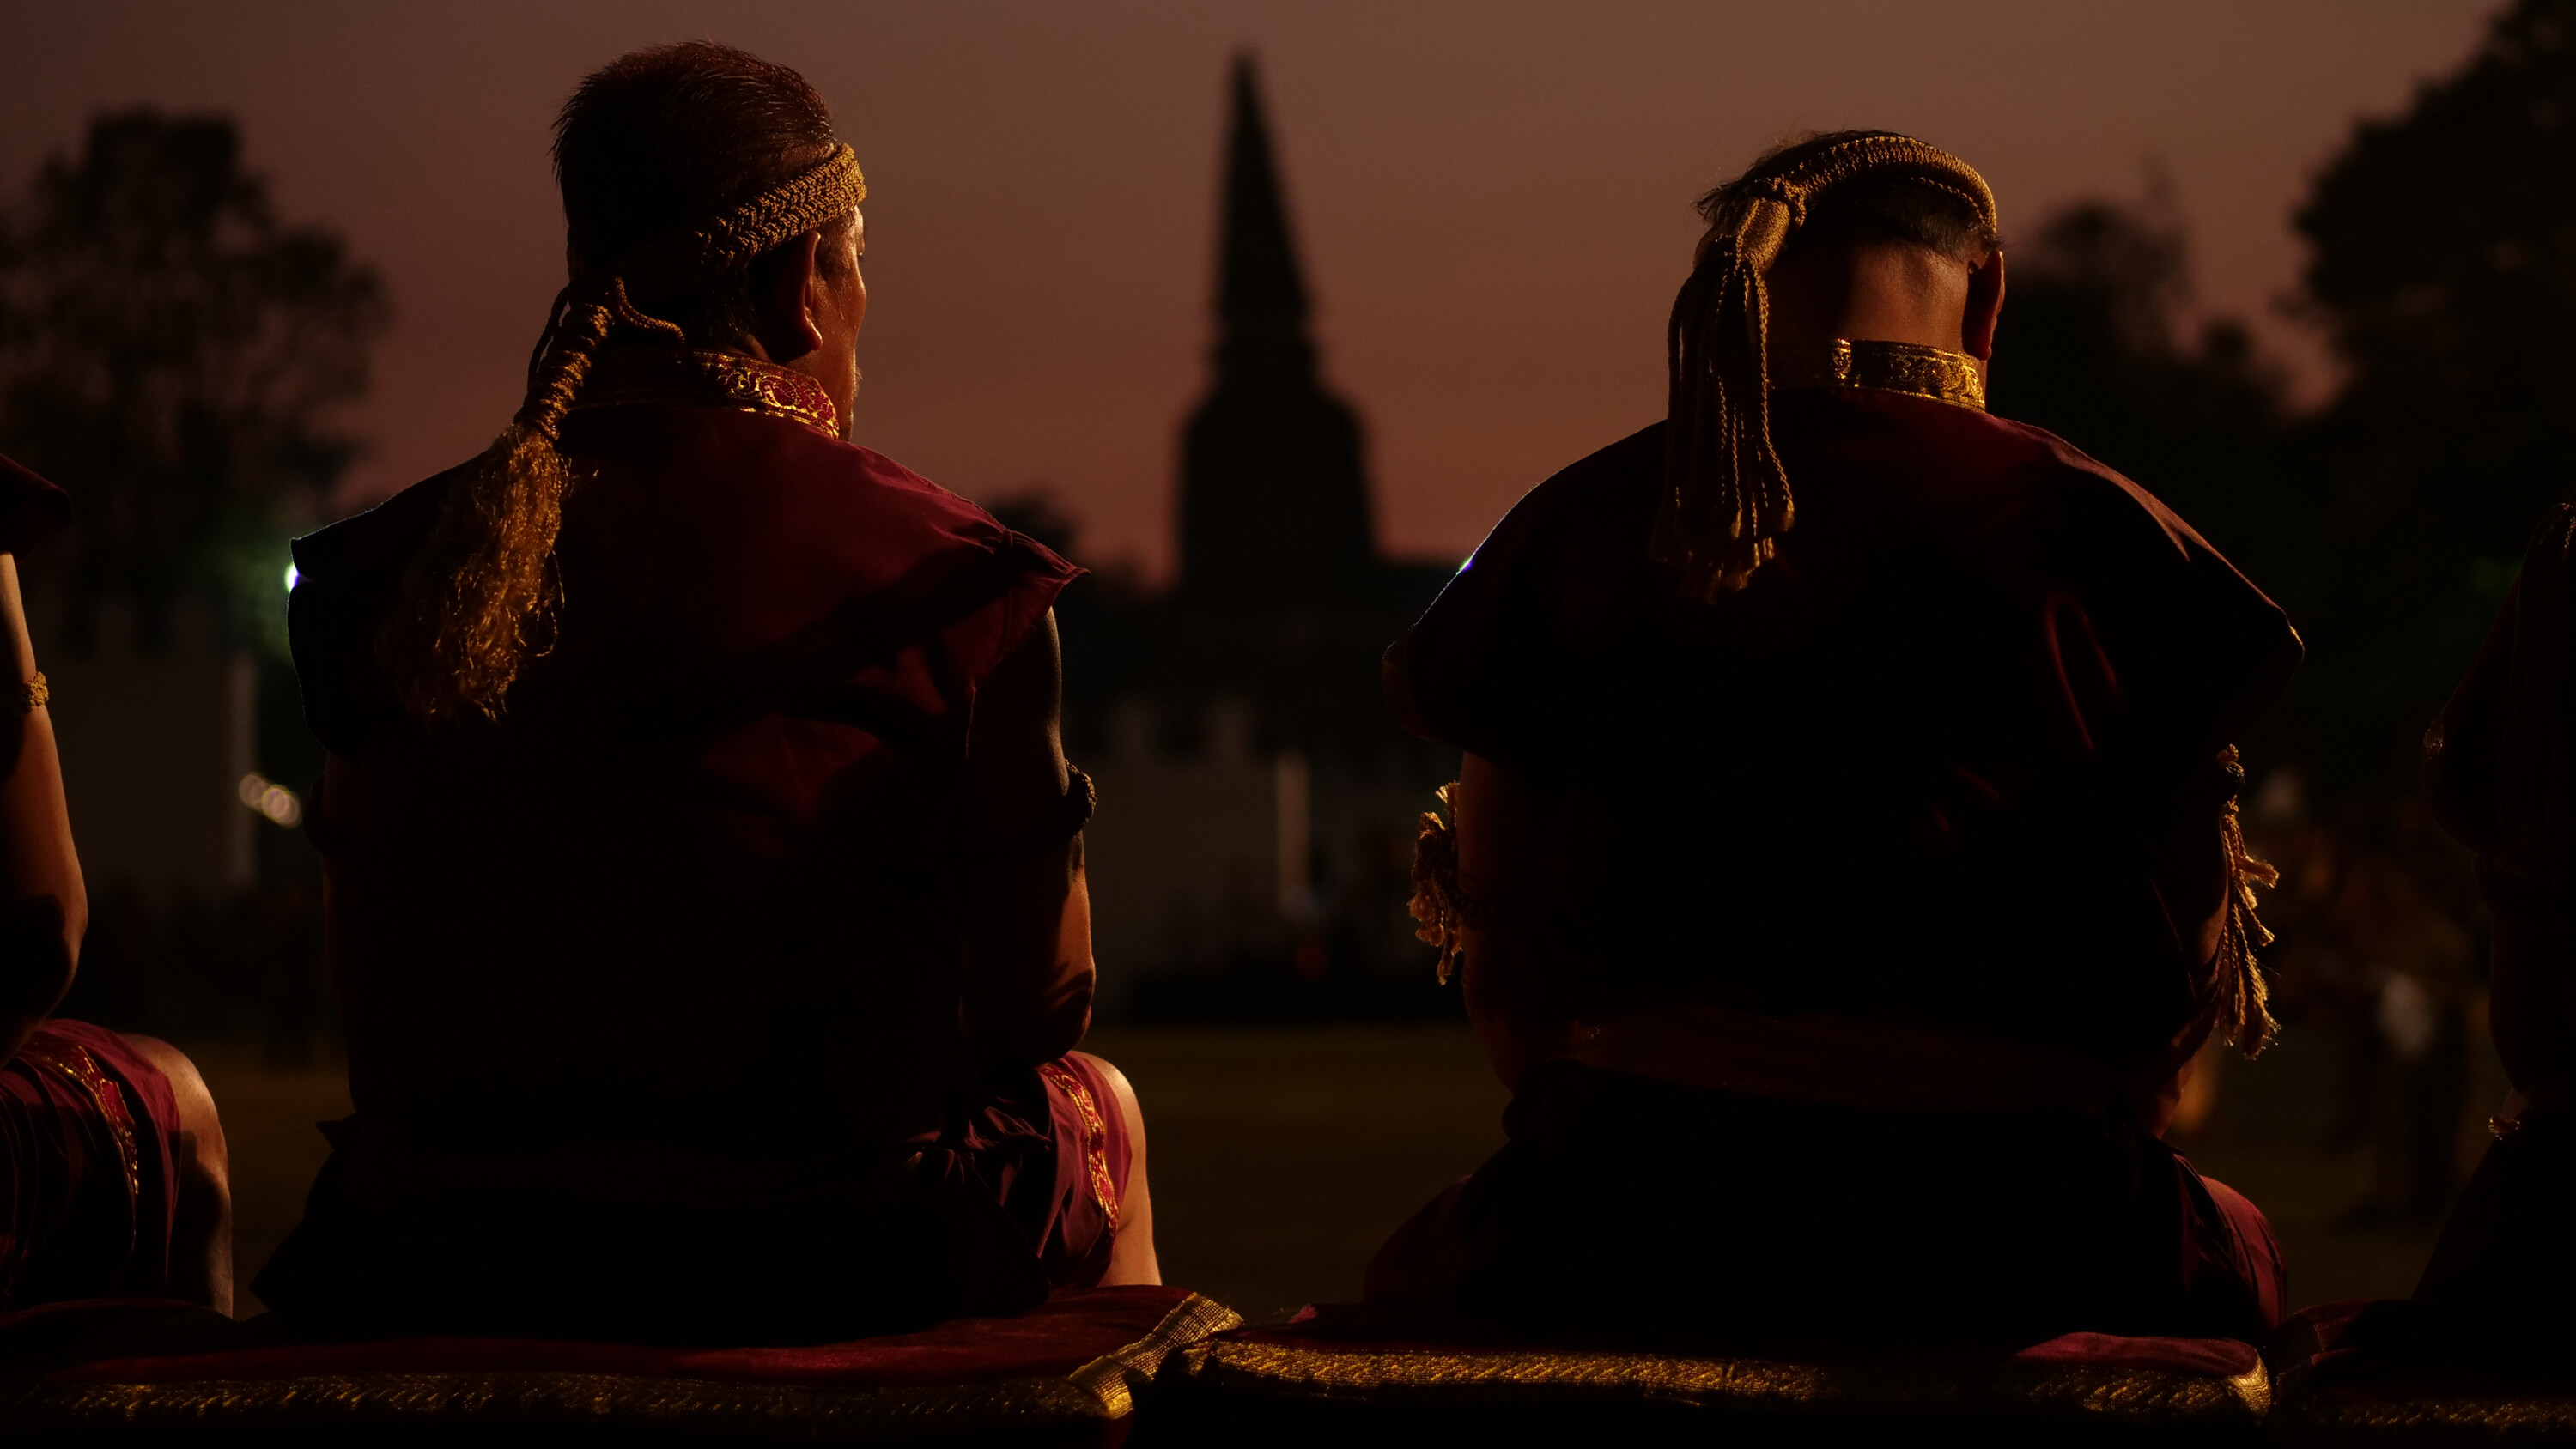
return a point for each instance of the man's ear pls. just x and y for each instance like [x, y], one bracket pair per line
[786, 290]
[1985, 306]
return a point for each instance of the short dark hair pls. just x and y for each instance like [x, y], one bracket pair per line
[1872, 209]
[665, 138]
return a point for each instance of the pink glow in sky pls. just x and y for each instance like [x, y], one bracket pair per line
[1492, 198]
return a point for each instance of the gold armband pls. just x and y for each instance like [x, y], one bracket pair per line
[31, 696]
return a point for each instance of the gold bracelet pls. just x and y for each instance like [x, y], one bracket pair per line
[33, 694]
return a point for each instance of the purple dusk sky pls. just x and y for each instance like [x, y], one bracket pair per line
[1492, 198]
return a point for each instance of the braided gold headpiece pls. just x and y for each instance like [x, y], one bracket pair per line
[1726, 499]
[481, 599]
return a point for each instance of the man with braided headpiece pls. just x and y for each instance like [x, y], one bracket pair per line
[704, 874]
[1844, 869]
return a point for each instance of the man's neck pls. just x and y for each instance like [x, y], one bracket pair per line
[1867, 294]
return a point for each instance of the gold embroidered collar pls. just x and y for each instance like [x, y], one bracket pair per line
[1905, 367]
[677, 377]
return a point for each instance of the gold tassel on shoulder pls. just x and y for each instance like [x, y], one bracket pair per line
[1438, 903]
[2244, 1005]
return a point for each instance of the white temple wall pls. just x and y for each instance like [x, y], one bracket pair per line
[1184, 855]
[154, 747]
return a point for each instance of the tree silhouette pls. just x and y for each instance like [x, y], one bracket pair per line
[2443, 264]
[170, 351]
[2443, 268]
[2098, 346]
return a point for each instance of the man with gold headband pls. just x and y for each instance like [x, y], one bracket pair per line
[1844, 868]
[704, 873]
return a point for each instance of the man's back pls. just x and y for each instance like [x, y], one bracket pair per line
[704, 871]
[714, 838]
[1843, 863]
[668, 966]
[1898, 778]
[1845, 910]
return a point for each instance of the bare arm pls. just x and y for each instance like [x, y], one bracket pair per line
[1028, 910]
[43, 908]
[1499, 859]
[2532, 1008]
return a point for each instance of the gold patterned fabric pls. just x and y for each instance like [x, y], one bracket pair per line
[1100, 1391]
[77, 1064]
[2408, 1371]
[683, 377]
[1931, 1386]
[2434, 1404]
[2425, 1419]
[1917, 371]
[1095, 1137]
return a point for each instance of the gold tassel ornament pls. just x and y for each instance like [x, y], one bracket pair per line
[1438, 903]
[2244, 1002]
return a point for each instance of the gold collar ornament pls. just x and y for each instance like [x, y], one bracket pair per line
[1906, 367]
[690, 378]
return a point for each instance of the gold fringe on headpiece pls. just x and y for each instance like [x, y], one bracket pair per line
[481, 599]
[2244, 1003]
[1726, 500]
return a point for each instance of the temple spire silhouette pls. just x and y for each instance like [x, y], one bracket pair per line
[1274, 509]
[1261, 292]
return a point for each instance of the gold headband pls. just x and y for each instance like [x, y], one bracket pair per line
[683, 259]
[1726, 499]
[675, 263]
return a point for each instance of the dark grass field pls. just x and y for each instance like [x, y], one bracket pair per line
[1281, 1157]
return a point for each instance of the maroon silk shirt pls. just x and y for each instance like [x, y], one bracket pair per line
[682, 934]
[1905, 775]
[1909, 776]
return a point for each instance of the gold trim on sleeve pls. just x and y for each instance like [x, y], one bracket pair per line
[82, 1068]
[1095, 1136]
